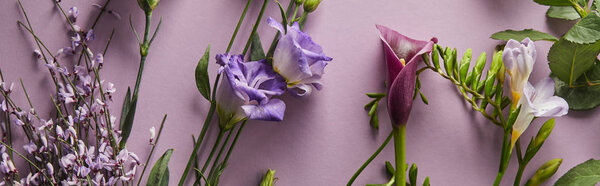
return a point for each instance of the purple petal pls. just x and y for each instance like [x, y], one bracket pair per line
[273, 23]
[272, 111]
[400, 94]
[397, 46]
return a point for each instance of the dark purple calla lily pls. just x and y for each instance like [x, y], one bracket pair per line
[401, 75]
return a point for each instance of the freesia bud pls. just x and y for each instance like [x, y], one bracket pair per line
[544, 172]
[311, 5]
[269, 178]
[518, 59]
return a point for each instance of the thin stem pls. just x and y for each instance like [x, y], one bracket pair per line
[400, 152]
[28, 161]
[237, 135]
[504, 157]
[162, 124]
[237, 27]
[295, 13]
[216, 161]
[520, 174]
[258, 21]
[212, 151]
[364, 165]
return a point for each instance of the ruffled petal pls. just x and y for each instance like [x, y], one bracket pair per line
[271, 111]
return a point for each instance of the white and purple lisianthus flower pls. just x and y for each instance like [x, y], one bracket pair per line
[299, 60]
[246, 89]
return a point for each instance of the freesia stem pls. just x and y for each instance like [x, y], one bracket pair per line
[212, 151]
[519, 174]
[400, 152]
[364, 165]
[505, 156]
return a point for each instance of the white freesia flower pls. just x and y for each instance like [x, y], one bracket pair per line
[538, 101]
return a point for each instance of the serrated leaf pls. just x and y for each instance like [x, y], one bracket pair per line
[553, 2]
[519, 35]
[568, 60]
[585, 31]
[583, 97]
[585, 173]
[256, 49]
[159, 175]
[201, 75]
[563, 12]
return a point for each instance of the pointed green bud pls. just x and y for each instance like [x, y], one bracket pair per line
[412, 174]
[269, 178]
[465, 64]
[544, 172]
[311, 5]
[299, 2]
[435, 58]
[426, 182]
[543, 133]
[148, 5]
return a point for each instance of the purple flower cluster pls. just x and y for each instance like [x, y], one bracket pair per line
[79, 144]
[247, 87]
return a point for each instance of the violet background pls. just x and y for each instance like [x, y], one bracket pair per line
[325, 137]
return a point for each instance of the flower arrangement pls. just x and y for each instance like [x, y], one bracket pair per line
[246, 86]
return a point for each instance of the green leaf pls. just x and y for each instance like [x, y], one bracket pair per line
[581, 97]
[585, 31]
[125, 108]
[585, 173]
[563, 12]
[553, 2]
[376, 95]
[519, 35]
[568, 60]
[283, 16]
[256, 49]
[202, 79]
[159, 175]
[128, 123]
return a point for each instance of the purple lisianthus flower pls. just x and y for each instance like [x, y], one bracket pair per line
[245, 91]
[298, 59]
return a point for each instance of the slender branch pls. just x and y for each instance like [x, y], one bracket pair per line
[162, 124]
[364, 165]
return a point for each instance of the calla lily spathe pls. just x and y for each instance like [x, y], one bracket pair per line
[246, 90]
[518, 58]
[299, 60]
[538, 101]
[401, 74]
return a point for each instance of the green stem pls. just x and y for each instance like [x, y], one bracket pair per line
[364, 165]
[237, 28]
[162, 124]
[520, 174]
[215, 165]
[211, 111]
[258, 20]
[212, 151]
[504, 157]
[144, 53]
[237, 135]
[295, 13]
[400, 152]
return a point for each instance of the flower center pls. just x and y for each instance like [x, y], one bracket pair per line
[403, 62]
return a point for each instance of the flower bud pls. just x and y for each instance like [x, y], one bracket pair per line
[299, 2]
[544, 172]
[311, 5]
[269, 178]
[147, 5]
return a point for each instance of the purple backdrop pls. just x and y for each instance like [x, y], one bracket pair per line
[325, 137]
